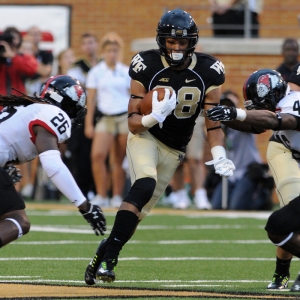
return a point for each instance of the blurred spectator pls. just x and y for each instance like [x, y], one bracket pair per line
[249, 188]
[65, 60]
[290, 52]
[26, 46]
[44, 57]
[14, 66]
[228, 17]
[79, 146]
[28, 169]
[89, 49]
[32, 84]
[108, 86]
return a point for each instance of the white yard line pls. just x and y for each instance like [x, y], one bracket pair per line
[86, 229]
[169, 242]
[261, 215]
[136, 281]
[140, 258]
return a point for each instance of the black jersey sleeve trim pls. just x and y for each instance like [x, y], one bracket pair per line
[133, 113]
[213, 128]
[136, 97]
[279, 122]
[209, 103]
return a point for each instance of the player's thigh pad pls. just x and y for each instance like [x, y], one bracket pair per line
[10, 200]
[285, 220]
[285, 171]
[195, 146]
[142, 156]
[148, 157]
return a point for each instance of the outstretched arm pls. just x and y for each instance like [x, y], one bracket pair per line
[57, 171]
[263, 119]
[244, 127]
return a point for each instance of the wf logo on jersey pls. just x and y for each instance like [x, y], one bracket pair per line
[219, 67]
[137, 63]
[77, 94]
[265, 83]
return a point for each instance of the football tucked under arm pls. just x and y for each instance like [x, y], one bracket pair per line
[156, 106]
[146, 103]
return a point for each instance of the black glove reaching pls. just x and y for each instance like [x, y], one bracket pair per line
[14, 173]
[221, 113]
[95, 218]
[78, 121]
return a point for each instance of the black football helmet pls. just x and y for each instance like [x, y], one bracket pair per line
[176, 24]
[264, 89]
[68, 94]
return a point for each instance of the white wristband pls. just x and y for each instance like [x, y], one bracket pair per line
[241, 114]
[217, 152]
[148, 121]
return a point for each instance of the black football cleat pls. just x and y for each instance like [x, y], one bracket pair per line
[296, 285]
[279, 282]
[106, 271]
[91, 269]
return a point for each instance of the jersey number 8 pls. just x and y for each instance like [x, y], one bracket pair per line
[188, 98]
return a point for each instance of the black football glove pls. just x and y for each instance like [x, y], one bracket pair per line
[221, 113]
[14, 173]
[95, 218]
[78, 121]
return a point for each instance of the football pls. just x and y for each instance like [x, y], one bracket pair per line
[146, 102]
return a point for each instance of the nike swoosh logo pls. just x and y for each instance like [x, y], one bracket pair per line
[187, 81]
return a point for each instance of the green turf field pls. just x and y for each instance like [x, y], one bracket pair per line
[225, 252]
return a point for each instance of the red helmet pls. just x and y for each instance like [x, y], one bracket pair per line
[264, 89]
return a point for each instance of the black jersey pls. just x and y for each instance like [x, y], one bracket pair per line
[83, 65]
[191, 84]
[284, 70]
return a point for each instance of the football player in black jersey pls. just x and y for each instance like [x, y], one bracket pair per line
[156, 142]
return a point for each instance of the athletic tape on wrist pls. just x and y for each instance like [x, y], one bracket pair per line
[218, 152]
[241, 114]
[149, 121]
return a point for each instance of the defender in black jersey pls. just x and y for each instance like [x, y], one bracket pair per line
[157, 142]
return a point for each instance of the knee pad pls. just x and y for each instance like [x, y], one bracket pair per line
[279, 240]
[18, 226]
[141, 192]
